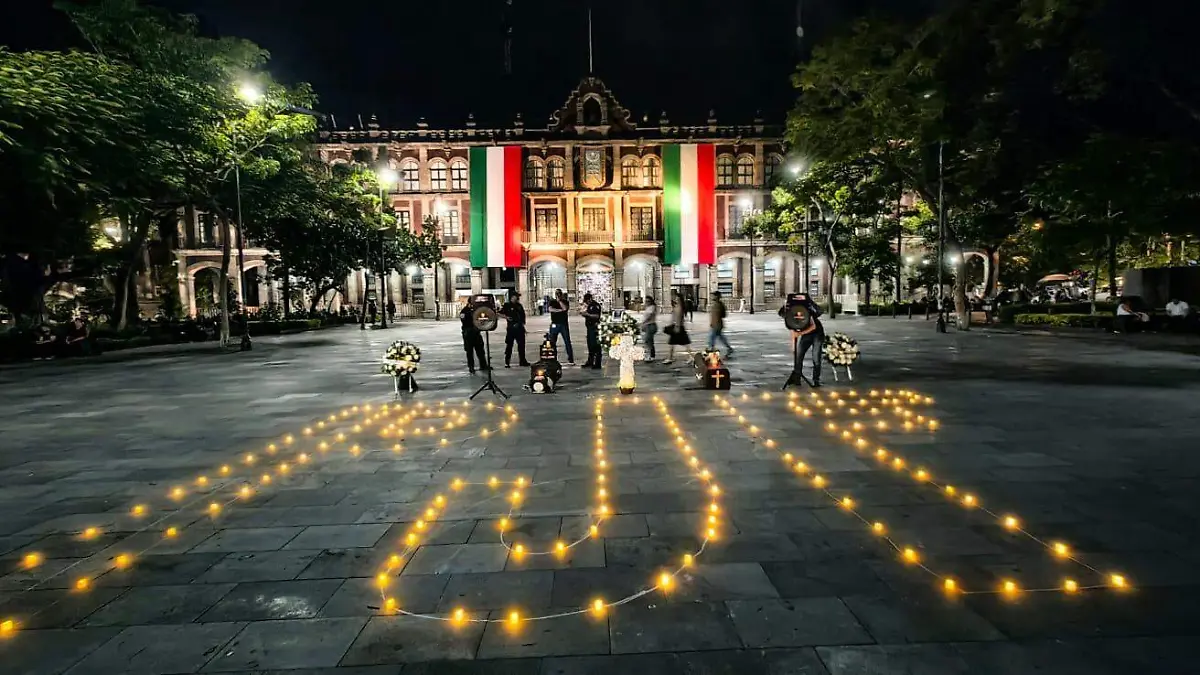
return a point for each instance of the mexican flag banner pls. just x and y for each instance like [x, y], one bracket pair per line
[496, 206]
[689, 208]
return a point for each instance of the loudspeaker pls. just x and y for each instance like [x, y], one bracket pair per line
[484, 315]
[540, 379]
[547, 350]
[795, 313]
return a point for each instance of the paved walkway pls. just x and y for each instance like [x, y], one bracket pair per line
[1086, 443]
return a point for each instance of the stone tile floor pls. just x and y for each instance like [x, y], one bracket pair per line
[1090, 443]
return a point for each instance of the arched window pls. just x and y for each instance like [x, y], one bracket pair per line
[652, 172]
[773, 171]
[724, 170]
[592, 114]
[745, 170]
[458, 175]
[556, 168]
[437, 175]
[410, 175]
[535, 174]
[631, 173]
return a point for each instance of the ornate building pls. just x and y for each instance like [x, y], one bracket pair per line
[592, 206]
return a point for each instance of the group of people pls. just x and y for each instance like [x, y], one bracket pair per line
[559, 307]
[75, 340]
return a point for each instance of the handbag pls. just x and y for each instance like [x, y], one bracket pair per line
[670, 330]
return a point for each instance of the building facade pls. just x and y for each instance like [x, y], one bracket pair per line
[592, 207]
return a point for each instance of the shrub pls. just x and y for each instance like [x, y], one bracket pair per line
[1009, 312]
[1103, 321]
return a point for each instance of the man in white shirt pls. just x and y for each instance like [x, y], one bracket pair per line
[1177, 313]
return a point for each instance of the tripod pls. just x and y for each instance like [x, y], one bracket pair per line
[796, 378]
[490, 385]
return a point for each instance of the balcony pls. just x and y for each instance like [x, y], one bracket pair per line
[453, 240]
[550, 236]
[641, 234]
[601, 237]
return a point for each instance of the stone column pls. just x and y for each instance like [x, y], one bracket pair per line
[664, 301]
[423, 168]
[427, 286]
[187, 291]
[523, 290]
[569, 178]
[571, 274]
[618, 288]
[703, 292]
[476, 280]
[758, 280]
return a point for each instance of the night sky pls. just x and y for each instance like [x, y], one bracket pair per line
[404, 59]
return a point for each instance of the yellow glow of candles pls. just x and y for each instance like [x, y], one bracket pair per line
[715, 490]
[381, 580]
[519, 550]
[244, 492]
[493, 481]
[877, 527]
[847, 503]
[420, 524]
[430, 513]
[1010, 587]
[322, 446]
[284, 468]
[950, 585]
[122, 561]
[503, 524]
[515, 496]
[922, 474]
[139, 510]
[1061, 550]
[7, 627]
[172, 532]
[90, 533]
[459, 616]
[594, 531]
[598, 607]
[818, 481]
[1117, 581]
[390, 605]
[664, 581]
[910, 555]
[600, 478]
[604, 509]
[560, 548]
[214, 507]
[82, 583]
[514, 618]
[31, 560]
[950, 490]
[787, 457]
[897, 463]
[457, 484]
[177, 493]
[1070, 586]
[688, 560]
[271, 449]
[1011, 523]
[266, 478]
[394, 561]
[968, 500]
[881, 454]
[411, 538]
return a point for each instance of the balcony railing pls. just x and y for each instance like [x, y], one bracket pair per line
[641, 235]
[545, 237]
[453, 240]
[602, 237]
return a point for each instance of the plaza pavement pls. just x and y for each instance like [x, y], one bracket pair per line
[1091, 443]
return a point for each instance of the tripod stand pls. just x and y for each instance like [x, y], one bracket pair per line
[796, 377]
[490, 385]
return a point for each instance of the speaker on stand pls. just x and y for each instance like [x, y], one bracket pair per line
[797, 317]
[485, 318]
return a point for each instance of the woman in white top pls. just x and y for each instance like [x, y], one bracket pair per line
[649, 326]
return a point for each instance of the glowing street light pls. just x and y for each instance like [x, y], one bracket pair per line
[250, 93]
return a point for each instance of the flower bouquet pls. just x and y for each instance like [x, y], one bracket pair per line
[841, 350]
[400, 361]
[621, 324]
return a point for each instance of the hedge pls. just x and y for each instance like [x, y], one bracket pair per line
[1103, 321]
[1009, 312]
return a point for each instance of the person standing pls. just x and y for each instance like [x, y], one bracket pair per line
[515, 330]
[472, 339]
[716, 324]
[1177, 313]
[649, 326]
[591, 321]
[372, 310]
[812, 338]
[691, 308]
[676, 332]
[559, 307]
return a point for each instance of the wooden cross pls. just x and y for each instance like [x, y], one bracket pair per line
[717, 376]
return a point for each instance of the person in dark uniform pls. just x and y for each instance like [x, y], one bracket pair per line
[811, 338]
[472, 339]
[559, 307]
[514, 312]
[591, 320]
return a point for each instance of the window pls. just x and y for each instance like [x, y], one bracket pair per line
[641, 223]
[736, 216]
[557, 169]
[458, 175]
[545, 225]
[682, 271]
[437, 175]
[631, 174]
[206, 231]
[745, 170]
[594, 221]
[772, 169]
[450, 224]
[535, 175]
[725, 270]
[651, 173]
[725, 170]
[410, 176]
[404, 220]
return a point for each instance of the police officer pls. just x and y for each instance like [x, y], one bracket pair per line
[514, 312]
[591, 320]
[472, 338]
[812, 338]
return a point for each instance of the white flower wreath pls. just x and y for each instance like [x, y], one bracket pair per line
[626, 324]
[840, 349]
[401, 358]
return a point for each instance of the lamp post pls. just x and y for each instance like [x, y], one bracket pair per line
[251, 95]
[386, 178]
[941, 254]
[746, 204]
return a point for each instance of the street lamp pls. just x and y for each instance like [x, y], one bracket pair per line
[386, 177]
[252, 95]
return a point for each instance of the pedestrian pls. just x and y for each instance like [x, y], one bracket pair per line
[391, 310]
[472, 339]
[676, 332]
[591, 321]
[372, 311]
[649, 326]
[716, 324]
[515, 330]
[691, 308]
[558, 308]
[77, 340]
[1177, 313]
[812, 338]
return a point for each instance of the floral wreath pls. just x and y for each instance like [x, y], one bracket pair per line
[625, 324]
[840, 349]
[401, 358]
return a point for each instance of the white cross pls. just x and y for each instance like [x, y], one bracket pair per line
[624, 350]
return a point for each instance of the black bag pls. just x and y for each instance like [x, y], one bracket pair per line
[679, 336]
[669, 330]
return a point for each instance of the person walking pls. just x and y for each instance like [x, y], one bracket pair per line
[812, 338]
[559, 307]
[649, 326]
[716, 324]
[472, 339]
[514, 332]
[677, 332]
[591, 321]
